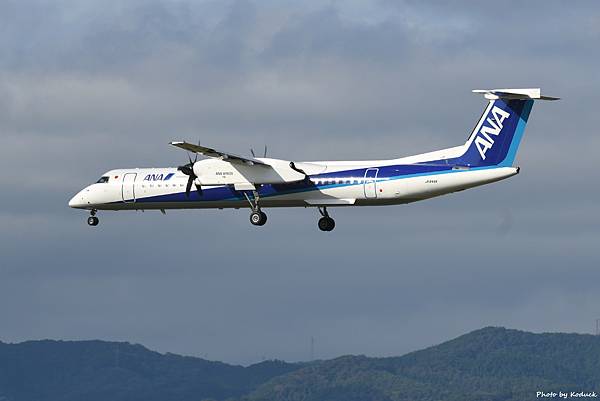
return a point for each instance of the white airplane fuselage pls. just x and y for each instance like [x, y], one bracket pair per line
[339, 185]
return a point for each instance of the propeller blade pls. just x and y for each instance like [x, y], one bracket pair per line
[188, 187]
[186, 169]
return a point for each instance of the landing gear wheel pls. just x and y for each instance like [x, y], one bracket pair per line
[258, 218]
[93, 221]
[326, 224]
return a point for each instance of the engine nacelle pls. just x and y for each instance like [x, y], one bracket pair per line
[221, 172]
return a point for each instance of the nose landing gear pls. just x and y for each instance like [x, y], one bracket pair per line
[93, 220]
[326, 223]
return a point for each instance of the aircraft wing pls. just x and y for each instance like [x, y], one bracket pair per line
[210, 152]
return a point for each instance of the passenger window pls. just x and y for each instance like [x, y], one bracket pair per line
[102, 180]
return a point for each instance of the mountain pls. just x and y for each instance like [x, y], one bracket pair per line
[99, 370]
[488, 364]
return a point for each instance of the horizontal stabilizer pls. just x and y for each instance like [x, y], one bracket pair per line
[524, 94]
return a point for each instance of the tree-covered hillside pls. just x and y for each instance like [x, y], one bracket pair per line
[102, 371]
[487, 364]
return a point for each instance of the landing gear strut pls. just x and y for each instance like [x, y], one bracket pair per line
[257, 217]
[93, 220]
[326, 223]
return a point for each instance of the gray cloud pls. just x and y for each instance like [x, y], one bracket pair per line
[86, 87]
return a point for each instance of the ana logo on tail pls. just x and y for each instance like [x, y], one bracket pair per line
[483, 140]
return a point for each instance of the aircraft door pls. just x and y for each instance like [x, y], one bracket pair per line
[370, 185]
[128, 190]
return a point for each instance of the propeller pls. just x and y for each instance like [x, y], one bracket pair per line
[264, 153]
[188, 169]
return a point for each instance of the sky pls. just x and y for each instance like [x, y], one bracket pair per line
[88, 86]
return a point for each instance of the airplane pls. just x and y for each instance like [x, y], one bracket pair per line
[226, 180]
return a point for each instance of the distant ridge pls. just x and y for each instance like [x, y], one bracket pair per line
[492, 363]
[488, 364]
[112, 371]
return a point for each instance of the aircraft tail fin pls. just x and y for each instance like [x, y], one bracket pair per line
[496, 137]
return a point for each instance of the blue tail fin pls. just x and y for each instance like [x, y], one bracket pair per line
[496, 137]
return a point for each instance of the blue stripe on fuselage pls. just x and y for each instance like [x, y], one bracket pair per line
[386, 173]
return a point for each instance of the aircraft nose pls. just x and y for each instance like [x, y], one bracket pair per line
[78, 201]
[73, 201]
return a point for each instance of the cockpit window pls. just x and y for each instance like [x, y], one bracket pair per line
[102, 180]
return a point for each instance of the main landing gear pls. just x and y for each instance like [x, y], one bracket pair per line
[326, 223]
[93, 220]
[257, 217]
